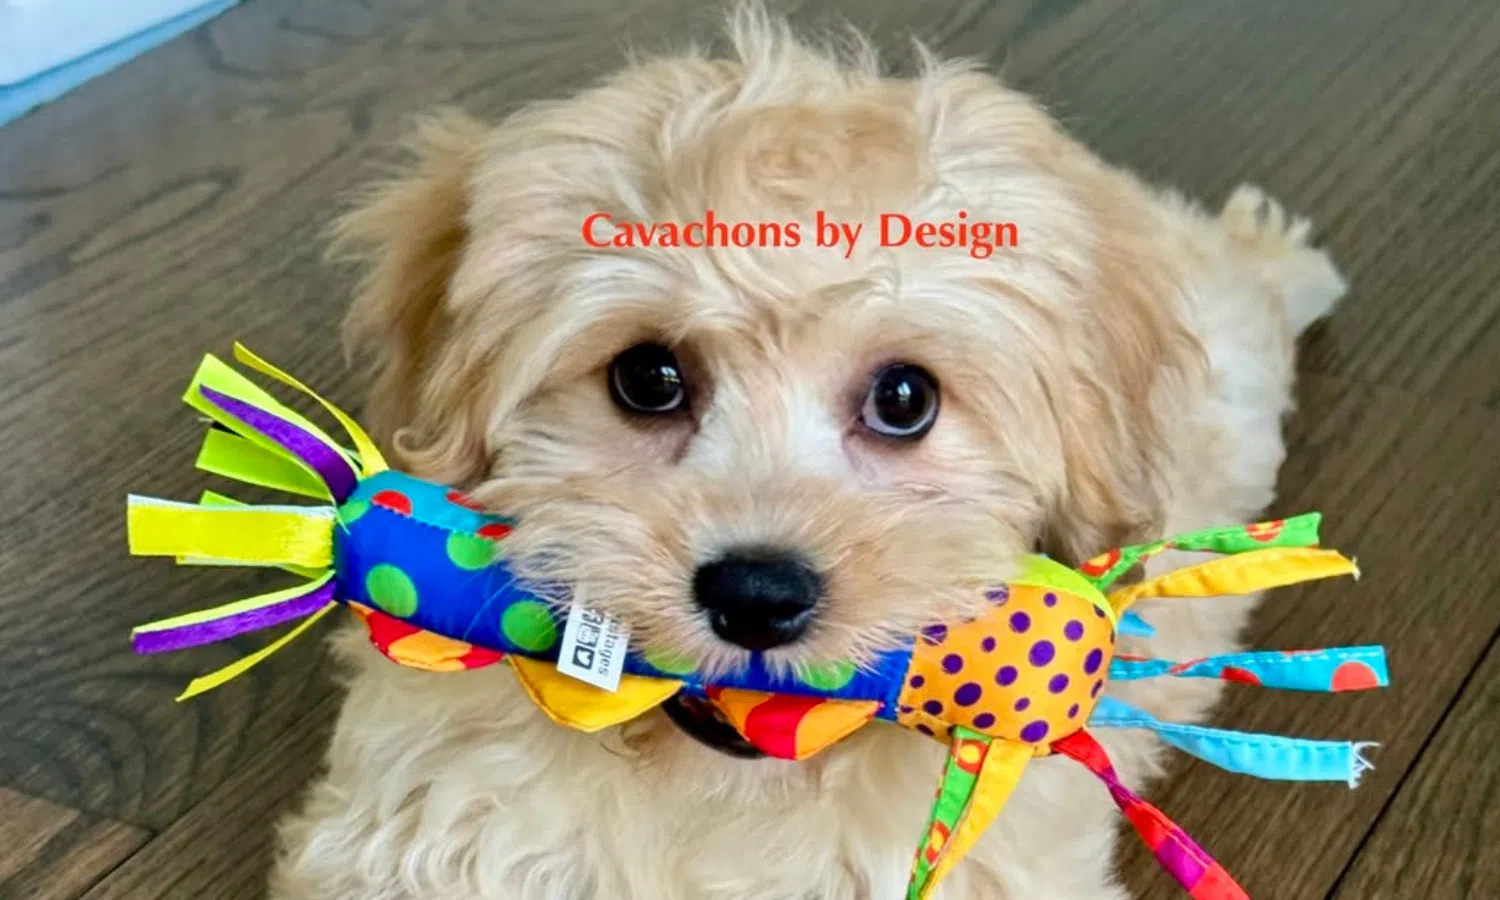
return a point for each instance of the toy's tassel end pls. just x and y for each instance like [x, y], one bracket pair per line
[1360, 764]
[239, 667]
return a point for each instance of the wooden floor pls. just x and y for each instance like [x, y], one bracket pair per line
[175, 205]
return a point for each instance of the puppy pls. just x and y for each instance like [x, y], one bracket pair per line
[799, 451]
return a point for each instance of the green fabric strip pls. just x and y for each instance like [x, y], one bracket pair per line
[1297, 531]
[227, 454]
[954, 793]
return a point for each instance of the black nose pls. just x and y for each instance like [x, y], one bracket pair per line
[758, 599]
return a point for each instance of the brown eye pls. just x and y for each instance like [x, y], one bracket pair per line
[647, 380]
[902, 402]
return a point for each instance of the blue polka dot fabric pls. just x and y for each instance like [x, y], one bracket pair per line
[426, 555]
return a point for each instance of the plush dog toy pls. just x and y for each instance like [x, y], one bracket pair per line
[424, 567]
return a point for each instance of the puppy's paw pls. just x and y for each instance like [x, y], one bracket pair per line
[1276, 245]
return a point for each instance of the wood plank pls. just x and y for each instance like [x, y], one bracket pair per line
[1377, 120]
[1438, 839]
[221, 848]
[55, 853]
[1407, 485]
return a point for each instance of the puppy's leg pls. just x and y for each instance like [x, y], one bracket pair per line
[1277, 246]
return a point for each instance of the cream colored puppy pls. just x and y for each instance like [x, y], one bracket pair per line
[799, 451]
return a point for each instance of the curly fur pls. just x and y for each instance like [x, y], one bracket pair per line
[1121, 373]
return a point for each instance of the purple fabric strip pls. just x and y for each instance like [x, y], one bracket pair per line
[330, 466]
[199, 633]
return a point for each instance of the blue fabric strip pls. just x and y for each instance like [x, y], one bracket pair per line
[1331, 669]
[1259, 755]
[1133, 625]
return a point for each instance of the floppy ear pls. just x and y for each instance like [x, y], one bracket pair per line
[407, 234]
[1131, 356]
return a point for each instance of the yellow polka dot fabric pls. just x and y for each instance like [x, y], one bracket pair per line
[1030, 670]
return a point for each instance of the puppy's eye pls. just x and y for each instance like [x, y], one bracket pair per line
[902, 402]
[646, 379]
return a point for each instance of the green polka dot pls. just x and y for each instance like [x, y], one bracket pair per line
[528, 624]
[391, 590]
[670, 663]
[470, 552]
[829, 677]
[350, 512]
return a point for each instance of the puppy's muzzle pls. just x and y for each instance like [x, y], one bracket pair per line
[758, 598]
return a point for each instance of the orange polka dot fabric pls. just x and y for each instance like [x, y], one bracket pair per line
[1030, 670]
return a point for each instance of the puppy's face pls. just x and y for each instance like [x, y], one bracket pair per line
[803, 451]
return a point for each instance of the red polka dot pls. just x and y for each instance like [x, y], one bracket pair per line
[1100, 564]
[1265, 531]
[1238, 675]
[393, 500]
[1354, 676]
[494, 531]
[459, 498]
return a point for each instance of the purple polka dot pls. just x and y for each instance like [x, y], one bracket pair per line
[1058, 684]
[952, 663]
[935, 634]
[1022, 703]
[1019, 622]
[924, 729]
[1073, 631]
[905, 710]
[1098, 686]
[984, 720]
[1093, 661]
[1098, 612]
[987, 645]
[1050, 599]
[1006, 675]
[998, 596]
[1034, 732]
[933, 708]
[1073, 711]
[967, 694]
[917, 681]
[1041, 653]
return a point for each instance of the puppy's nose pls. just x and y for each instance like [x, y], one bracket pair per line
[758, 599]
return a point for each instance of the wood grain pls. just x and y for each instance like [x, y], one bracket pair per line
[1407, 484]
[221, 849]
[48, 852]
[1438, 839]
[178, 203]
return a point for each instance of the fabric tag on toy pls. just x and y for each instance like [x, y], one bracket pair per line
[593, 648]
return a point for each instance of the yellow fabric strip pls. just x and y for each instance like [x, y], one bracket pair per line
[998, 776]
[1249, 572]
[239, 667]
[1052, 575]
[266, 535]
[219, 375]
[577, 704]
[211, 498]
[369, 455]
[229, 609]
[227, 454]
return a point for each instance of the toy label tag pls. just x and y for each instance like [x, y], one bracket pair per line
[593, 648]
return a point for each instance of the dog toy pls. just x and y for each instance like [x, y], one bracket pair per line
[425, 568]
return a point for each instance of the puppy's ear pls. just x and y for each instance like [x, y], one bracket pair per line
[407, 234]
[1131, 356]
